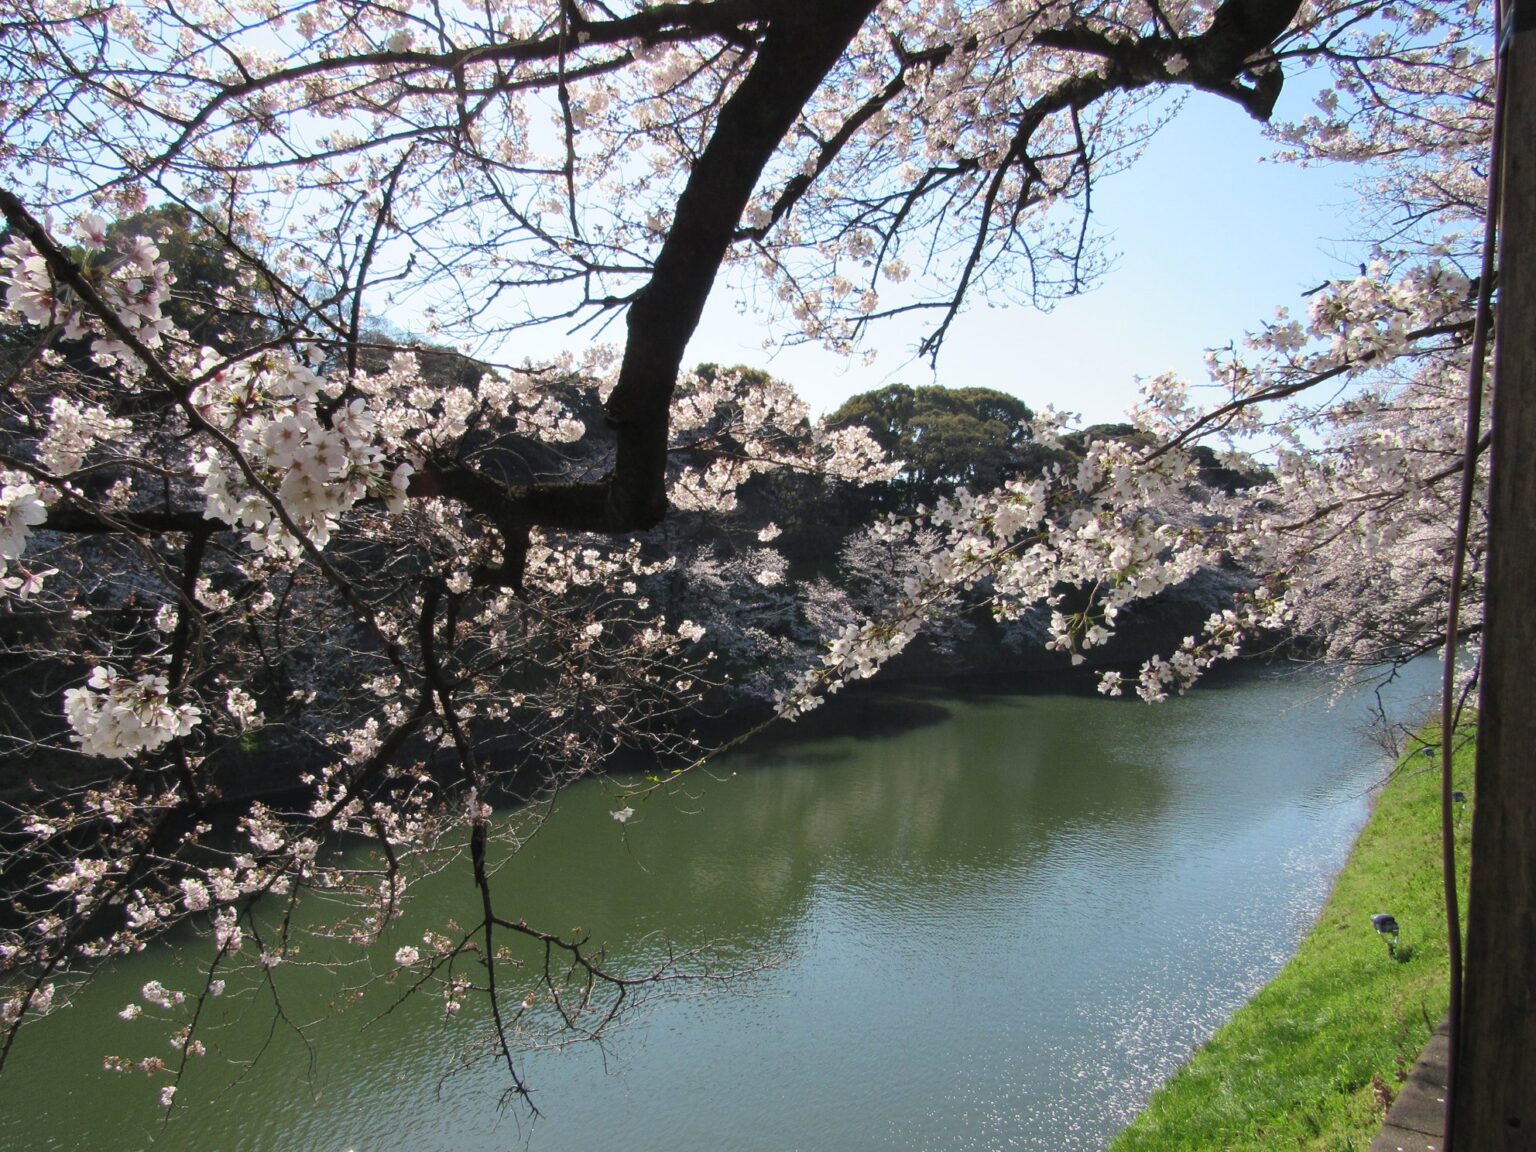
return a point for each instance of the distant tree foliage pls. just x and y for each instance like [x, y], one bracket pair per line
[946, 439]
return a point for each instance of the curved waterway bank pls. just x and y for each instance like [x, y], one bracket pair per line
[981, 923]
[1313, 1060]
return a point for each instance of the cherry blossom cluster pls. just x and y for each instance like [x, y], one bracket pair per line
[762, 422]
[136, 285]
[21, 510]
[118, 716]
[1117, 529]
[1357, 523]
[317, 468]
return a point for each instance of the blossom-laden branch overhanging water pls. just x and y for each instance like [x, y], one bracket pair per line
[231, 504]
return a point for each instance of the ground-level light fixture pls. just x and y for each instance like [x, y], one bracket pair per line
[1386, 926]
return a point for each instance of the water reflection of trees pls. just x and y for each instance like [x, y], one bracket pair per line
[932, 807]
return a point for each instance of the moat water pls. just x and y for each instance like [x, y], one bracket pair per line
[967, 922]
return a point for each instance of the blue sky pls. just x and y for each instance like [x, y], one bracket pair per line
[1210, 239]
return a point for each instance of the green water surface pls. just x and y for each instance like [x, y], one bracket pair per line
[970, 923]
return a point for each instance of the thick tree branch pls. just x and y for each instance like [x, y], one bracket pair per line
[796, 53]
[1214, 61]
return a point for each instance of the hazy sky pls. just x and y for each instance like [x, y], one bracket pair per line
[1210, 239]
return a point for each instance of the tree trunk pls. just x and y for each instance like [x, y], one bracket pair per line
[1495, 1098]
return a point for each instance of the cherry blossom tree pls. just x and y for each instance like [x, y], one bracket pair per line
[1377, 518]
[302, 529]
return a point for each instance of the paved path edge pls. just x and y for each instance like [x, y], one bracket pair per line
[1416, 1120]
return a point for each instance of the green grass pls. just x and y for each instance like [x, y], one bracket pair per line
[1310, 1062]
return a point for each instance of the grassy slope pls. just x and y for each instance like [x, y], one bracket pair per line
[1293, 1070]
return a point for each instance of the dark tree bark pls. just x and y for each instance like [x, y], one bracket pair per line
[1495, 1097]
[800, 45]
